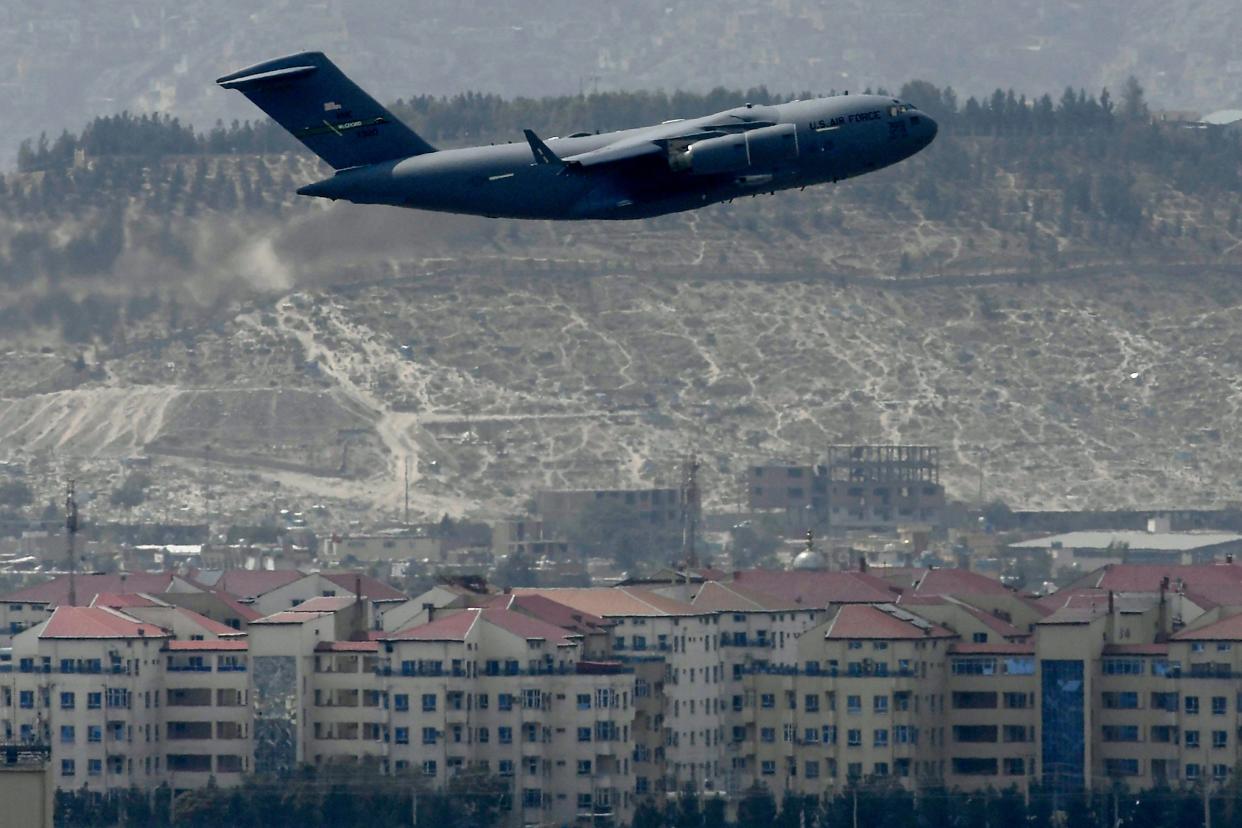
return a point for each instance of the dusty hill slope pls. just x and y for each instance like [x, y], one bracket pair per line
[1074, 333]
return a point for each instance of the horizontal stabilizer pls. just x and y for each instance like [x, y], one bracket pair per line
[313, 99]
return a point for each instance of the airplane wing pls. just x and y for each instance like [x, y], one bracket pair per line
[628, 150]
[620, 151]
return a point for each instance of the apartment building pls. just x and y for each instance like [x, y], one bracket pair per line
[591, 700]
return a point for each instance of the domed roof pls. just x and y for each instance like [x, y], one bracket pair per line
[809, 559]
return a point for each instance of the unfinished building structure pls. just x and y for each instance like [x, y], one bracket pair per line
[884, 486]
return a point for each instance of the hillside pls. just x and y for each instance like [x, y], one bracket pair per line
[1059, 302]
[65, 61]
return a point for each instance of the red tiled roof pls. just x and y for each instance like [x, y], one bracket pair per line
[925, 581]
[452, 627]
[244, 612]
[373, 589]
[867, 621]
[1208, 585]
[998, 648]
[818, 589]
[127, 599]
[1227, 629]
[210, 625]
[251, 583]
[56, 591]
[524, 626]
[230, 644]
[97, 622]
[1136, 649]
[347, 647]
[730, 597]
[613, 602]
[545, 609]
[325, 603]
[290, 617]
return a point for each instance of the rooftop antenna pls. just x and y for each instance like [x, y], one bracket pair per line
[407, 491]
[690, 509]
[71, 532]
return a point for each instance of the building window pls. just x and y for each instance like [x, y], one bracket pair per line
[584, 734]
[812, 703]
[403, 735]
[853, 704]
[1192, 705]
[67, 735]
[811, 769]
[1220, 738]
[768, 767]
[429, 735]
[1192, 770]
[401, 702]
[504, 701]
[94, 733]
[879, 704]
[830, 734]
[505, 767]
[880, 737]
[1164, 701]
[1120, 701]
[854, 738]
[94, 767]
[532, 798]
[971, 766]
[429, 702]
[429, 767]
[1164, 734]
[767, 735]
[1121, 767]
[1121, 733]
[767, 701]
[1015, 767]
[67, 767]
[504, 735]
[66, 701]
[485, 735]
[1220, 705]
[584, 767]
[1122, 667]
[1191, 738]
[25, 699]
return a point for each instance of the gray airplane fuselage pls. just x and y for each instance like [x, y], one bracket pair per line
[831, 139]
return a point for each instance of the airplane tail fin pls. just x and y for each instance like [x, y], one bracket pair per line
[311, 98]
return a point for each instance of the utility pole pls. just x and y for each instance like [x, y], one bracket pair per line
[690, 510]
[71, 532]
[407, 491]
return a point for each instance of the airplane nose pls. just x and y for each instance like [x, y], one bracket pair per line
[930, 129]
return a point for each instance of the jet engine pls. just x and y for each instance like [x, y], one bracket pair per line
[756, 149]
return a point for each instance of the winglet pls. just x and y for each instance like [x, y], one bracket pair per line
[542, 154]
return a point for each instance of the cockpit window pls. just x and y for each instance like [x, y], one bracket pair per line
[898, 109]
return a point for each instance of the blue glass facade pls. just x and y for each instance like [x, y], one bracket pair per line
[1063, 745]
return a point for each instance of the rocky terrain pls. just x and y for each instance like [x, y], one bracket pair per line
[1058, 312]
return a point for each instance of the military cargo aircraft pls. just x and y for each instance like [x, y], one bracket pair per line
[630, 174]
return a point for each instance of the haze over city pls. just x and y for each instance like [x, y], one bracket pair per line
[625, 415]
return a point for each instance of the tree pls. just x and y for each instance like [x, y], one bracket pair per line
[15, 494]
[757, 808]
[132, 491]
[1133, 100]
[608, 528]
